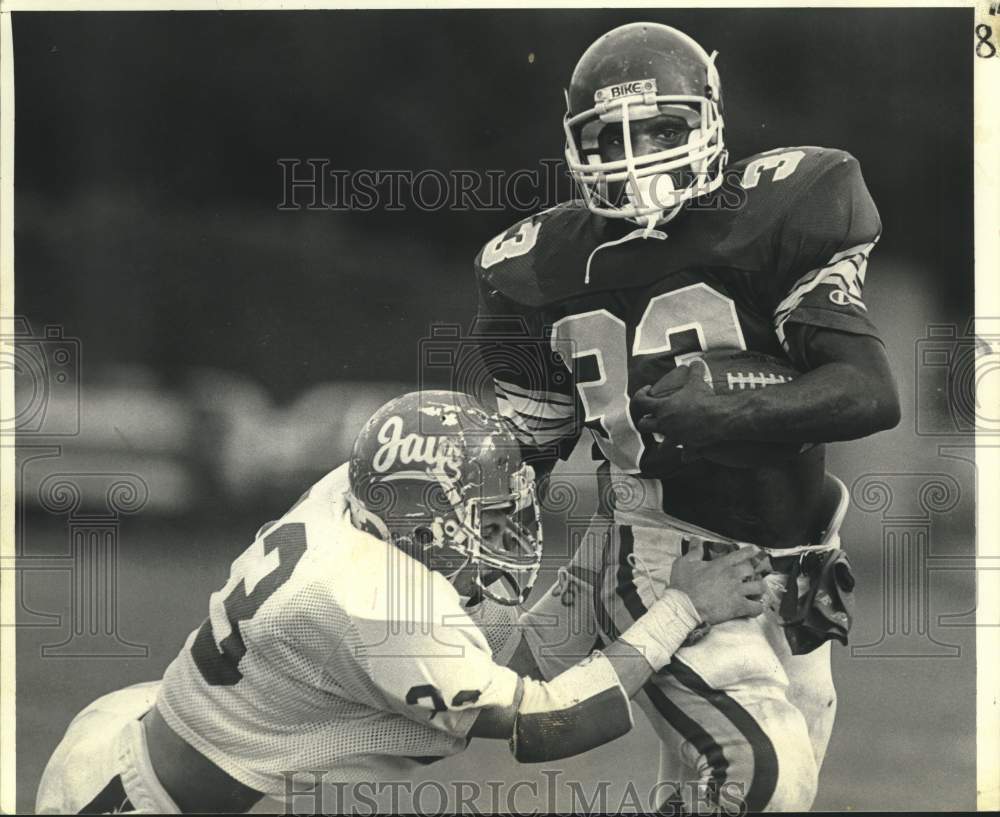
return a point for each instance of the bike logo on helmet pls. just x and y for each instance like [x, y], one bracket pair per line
[634, 88]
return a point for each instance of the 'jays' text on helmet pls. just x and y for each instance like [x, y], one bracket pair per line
[443, 479]
[636, 72]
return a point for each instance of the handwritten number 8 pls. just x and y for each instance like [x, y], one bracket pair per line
[984, 32]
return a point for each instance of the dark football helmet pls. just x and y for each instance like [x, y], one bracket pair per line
[635, 72]
[443, 479]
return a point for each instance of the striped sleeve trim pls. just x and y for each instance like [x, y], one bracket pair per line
[528, 423]
[537, 409]
[528, 432]
[534, 396]
[845, 271]
[536, 417]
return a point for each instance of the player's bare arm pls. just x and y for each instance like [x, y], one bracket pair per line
[850, 393]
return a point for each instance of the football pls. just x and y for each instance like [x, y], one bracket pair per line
[734, 371]
[730, 371]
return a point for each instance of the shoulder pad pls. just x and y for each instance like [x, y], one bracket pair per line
[805, 163]
[767, 187]
[772, 180]
[537, 260]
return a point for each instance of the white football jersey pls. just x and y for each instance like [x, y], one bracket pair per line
[328, 649]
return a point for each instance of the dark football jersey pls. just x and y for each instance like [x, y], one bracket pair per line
[605, 308]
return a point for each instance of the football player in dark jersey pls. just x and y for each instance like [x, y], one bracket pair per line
[673, 253]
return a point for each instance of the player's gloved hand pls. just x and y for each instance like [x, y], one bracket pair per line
[729, 586]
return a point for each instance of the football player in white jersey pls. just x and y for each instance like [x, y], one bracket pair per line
[345, 639]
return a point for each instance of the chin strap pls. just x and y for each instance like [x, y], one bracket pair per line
[666, 216]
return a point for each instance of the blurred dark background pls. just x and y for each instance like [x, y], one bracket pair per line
[226, 350]
[148, 183]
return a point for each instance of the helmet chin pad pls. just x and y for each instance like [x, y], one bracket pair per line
[656, 191]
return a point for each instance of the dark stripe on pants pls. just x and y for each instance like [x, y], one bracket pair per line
[601, 612]
[626, 589]
[692, 732]
[765, 760]
[765, 771]
[603, 616]
[689, 729]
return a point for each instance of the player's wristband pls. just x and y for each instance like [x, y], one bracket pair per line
[663, 629]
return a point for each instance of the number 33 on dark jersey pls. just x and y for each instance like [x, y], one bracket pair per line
[578, 312]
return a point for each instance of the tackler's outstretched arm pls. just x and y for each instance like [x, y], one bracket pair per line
[588, 704]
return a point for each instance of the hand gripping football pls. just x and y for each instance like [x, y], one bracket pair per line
[734, 371]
